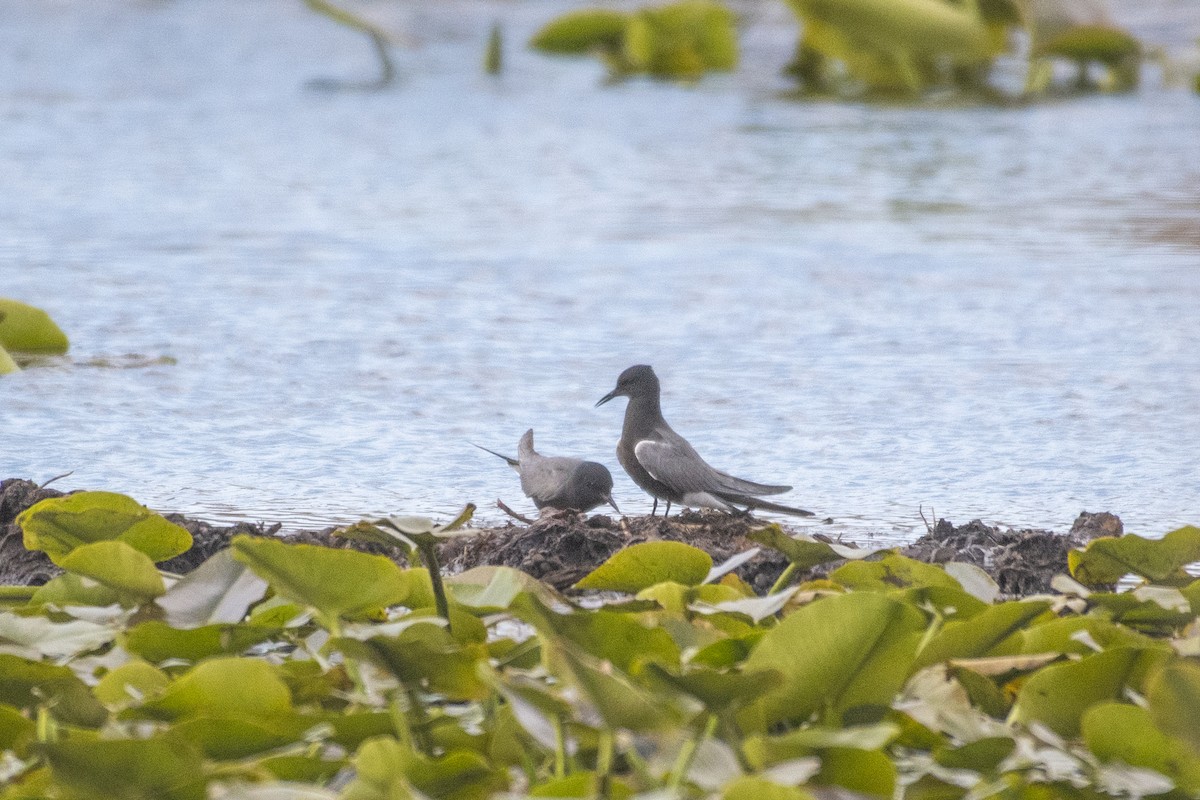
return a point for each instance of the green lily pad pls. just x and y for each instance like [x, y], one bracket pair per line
[74, 590]
[387, 770]
[805, 551]
[234, 687]
[580, 32]
[835, 654]
[995, 631]
[1174, 697]
[29, 684]
[337, 583]
[1126, 734]
[1106, 560]
[157, 641]
[893, 571]
[131, 683]
[160, 767]
[639, 566]
[58, 525]
[26, 329]
[426, 655]
[128, 572]
[7, 365]
[16, 730]
[1058, 695]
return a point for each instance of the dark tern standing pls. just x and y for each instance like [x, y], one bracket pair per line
[557, 481]
[663, 463]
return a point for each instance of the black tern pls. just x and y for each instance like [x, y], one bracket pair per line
[663, 463]
[557, 481]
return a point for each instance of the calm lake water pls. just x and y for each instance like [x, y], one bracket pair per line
[991, 311]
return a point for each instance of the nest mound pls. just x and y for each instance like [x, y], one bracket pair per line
[561, 547]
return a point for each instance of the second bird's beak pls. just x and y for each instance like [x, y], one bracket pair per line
[605, 399]
[613, 503]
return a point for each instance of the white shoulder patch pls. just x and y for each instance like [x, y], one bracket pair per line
[641, 452]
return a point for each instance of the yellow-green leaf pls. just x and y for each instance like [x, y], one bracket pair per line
[642, 565]
[60, 524]
[27, 329]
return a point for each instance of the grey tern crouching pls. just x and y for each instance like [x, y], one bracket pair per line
[663, 463]
[558, 481]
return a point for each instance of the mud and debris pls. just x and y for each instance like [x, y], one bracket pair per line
[561, 547]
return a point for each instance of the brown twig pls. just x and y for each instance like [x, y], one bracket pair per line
[56, 478]
[500, 505]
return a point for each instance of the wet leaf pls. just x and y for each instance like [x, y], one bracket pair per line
[1174, 697]
[28, 684]
[114, 564]
[227, 738]
[1106, 560]
[1101, 43]
[337, 583]
[157, 641]
[993, 632]
[835, 654]
[58, 525]
[642, 565]
[620, 638]
[1077, 634]
[386, 770]
[867, 771]
[619, 701]
[805, 551]
[131, 683]
[26, 329]
[37, 637]
[1058, 695]
[893, 571]
[427, 656]
[981, 755]
[7, 365]
[16, 730]
[74, 590]
[219, 590]
[232, 687]
[130, 769]
[681, 40]
[756, 788]
[580, 32]
[1123, 733]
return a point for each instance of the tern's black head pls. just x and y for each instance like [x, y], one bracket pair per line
[637, 381]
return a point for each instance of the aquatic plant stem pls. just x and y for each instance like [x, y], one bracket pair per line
[687, 753]
[604, 762]
[560, 747]
[428, 552]
[784, 579]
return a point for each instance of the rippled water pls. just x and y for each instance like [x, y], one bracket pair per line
[991, 311]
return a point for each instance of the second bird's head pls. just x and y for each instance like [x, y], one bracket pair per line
[637, 381]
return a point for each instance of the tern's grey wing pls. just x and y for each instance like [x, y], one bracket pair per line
[675, 464]
[544, 479]
[742, 486]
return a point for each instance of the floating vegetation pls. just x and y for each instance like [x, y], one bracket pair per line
[493, 57]
[25, 333]
[679, 41]
[290, 670]
[909, 46]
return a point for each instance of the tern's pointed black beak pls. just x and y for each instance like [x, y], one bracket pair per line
[606, 398]
[613, 503]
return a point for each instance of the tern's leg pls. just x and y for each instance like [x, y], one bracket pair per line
[653, 510]
[668, 511]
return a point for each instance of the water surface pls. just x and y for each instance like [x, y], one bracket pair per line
[990, 311]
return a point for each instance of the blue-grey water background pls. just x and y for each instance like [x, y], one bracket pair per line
[993, 312]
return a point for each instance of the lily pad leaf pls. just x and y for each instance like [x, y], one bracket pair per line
[58, 525]
[233, 687]
[26, 329]
[893, 571]
[1124, 733]
[634, 568]
[337, 583]
[219, 590]
[29, 684]
[1058, 695]
[157, 641]
[7, 365]
[836, 653]
[130, 684]
[1106, 560]
[1174, 697]
[38, 637]
[128, 572]
[580, 32]
[805, 551]
[996, 631]
[162, 766]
